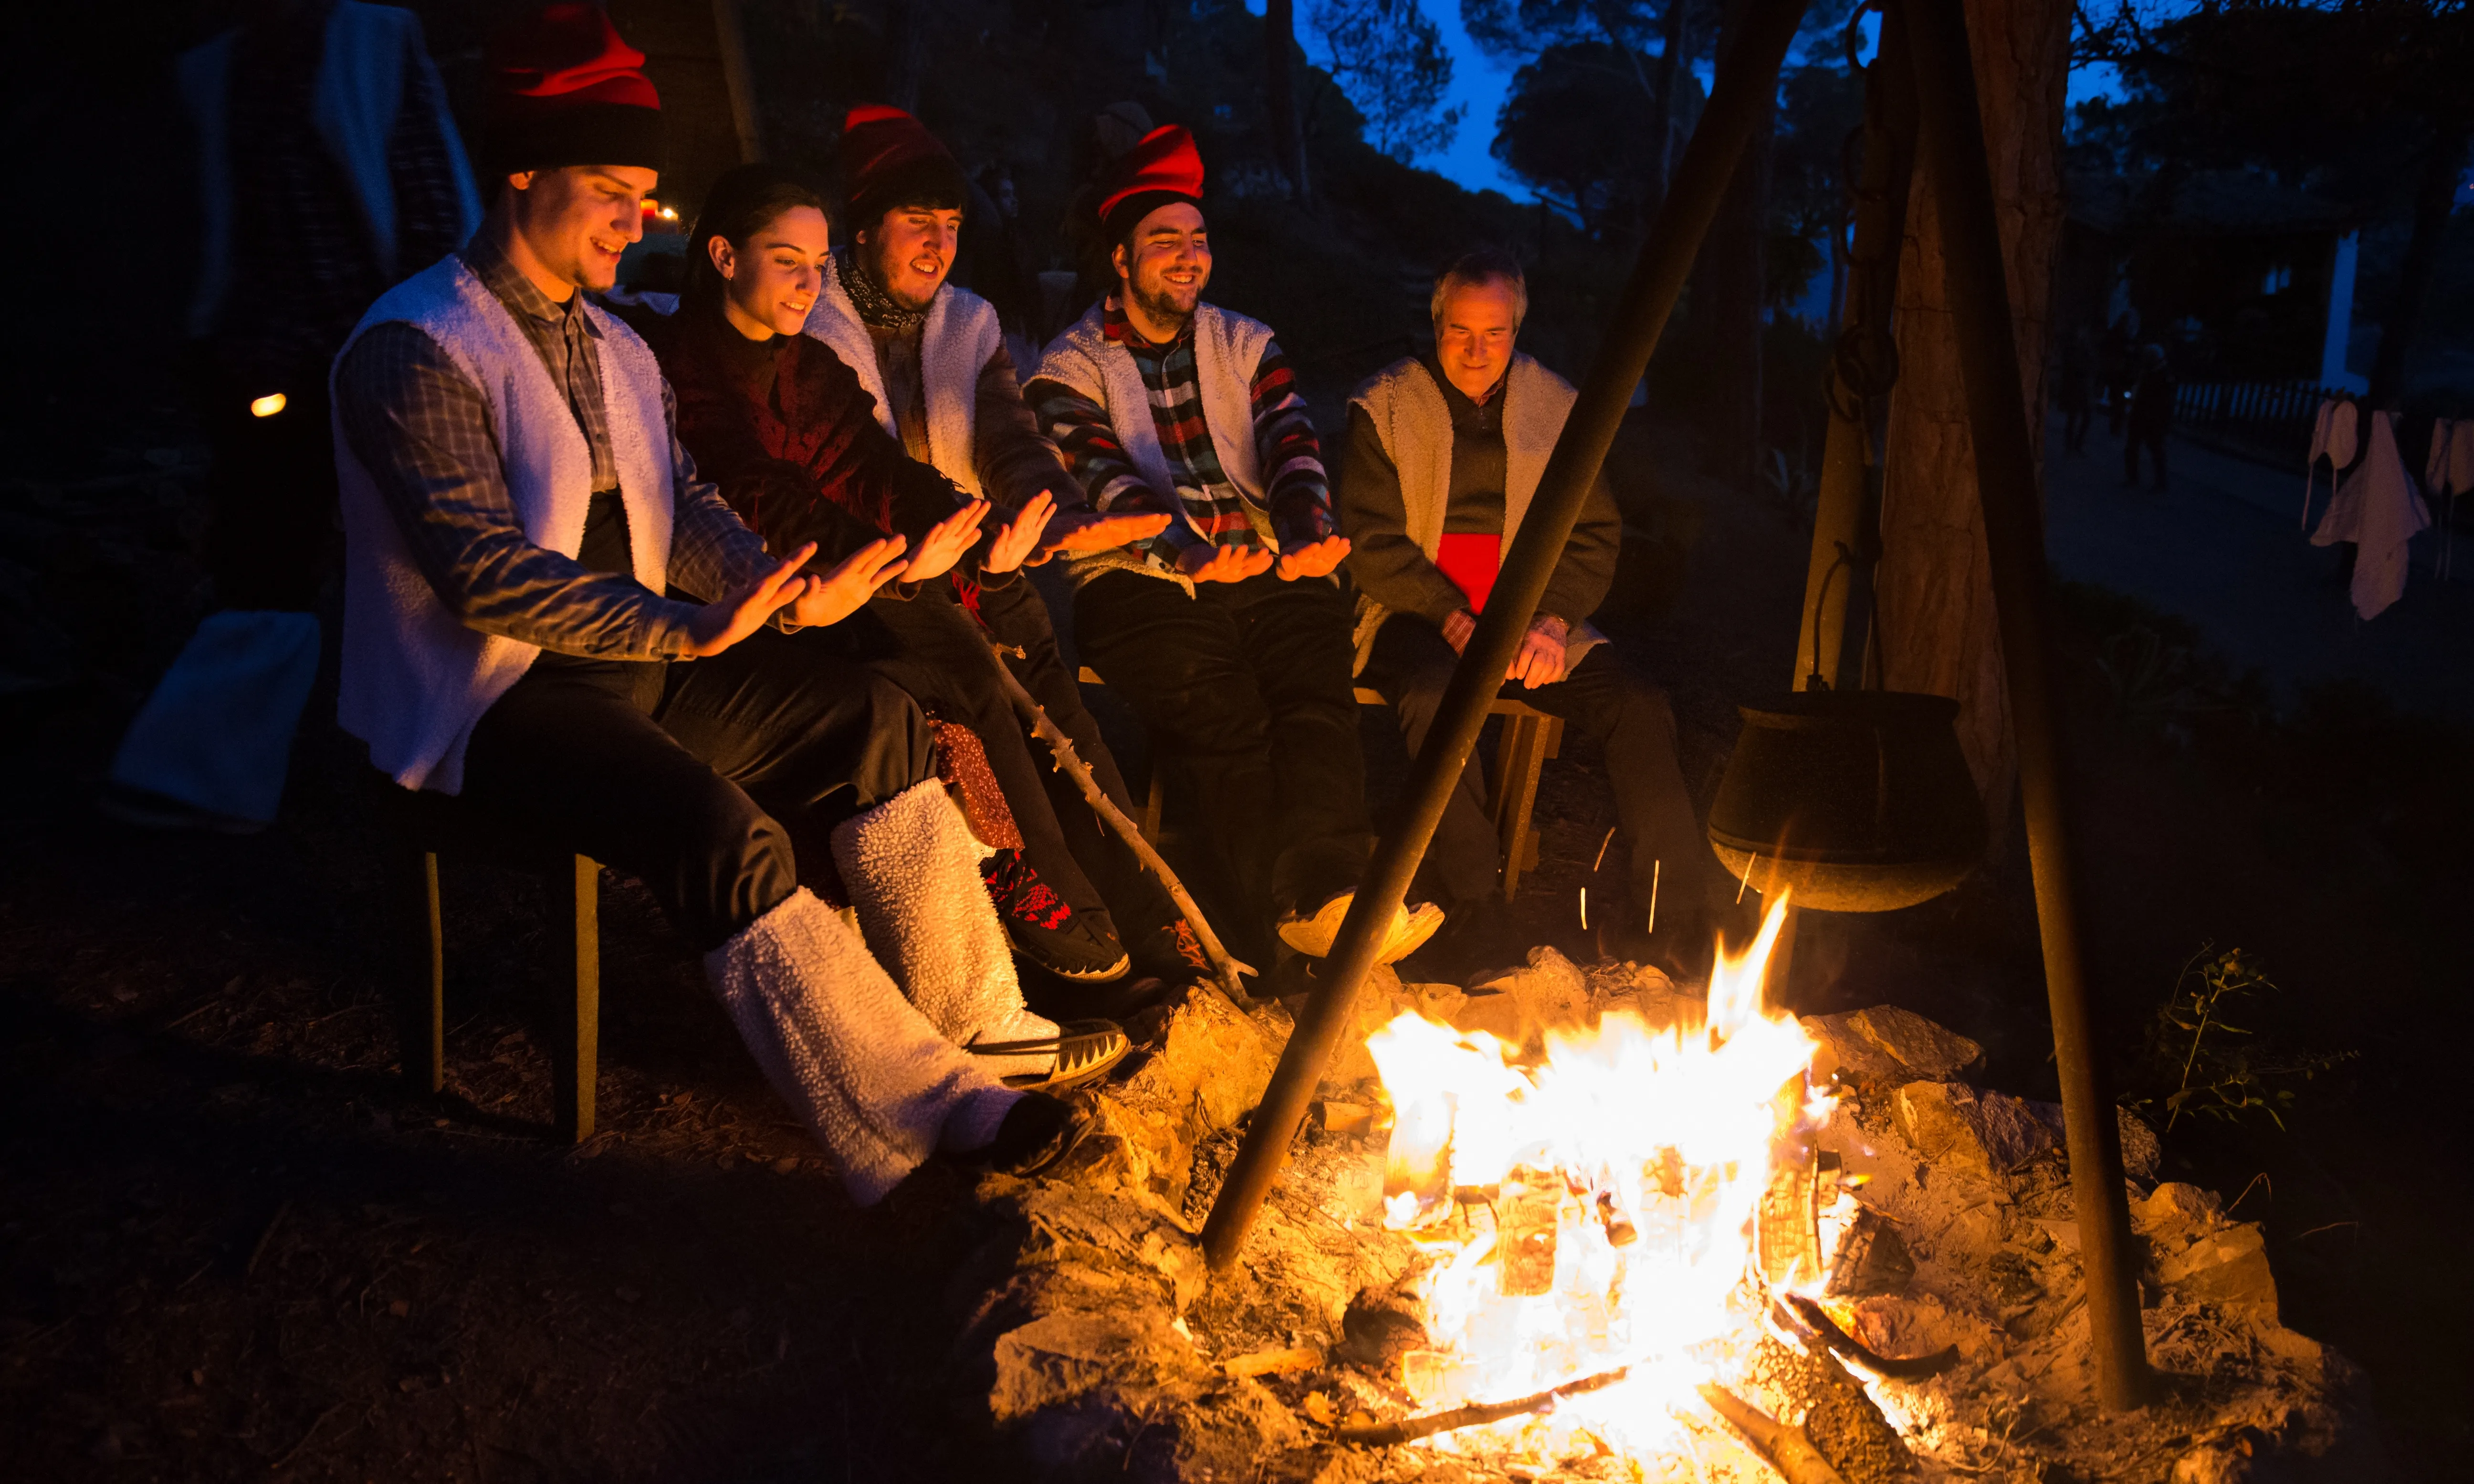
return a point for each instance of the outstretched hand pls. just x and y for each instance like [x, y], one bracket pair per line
[946, 541]
[1013, 543]
[1088, 530]
[835, 596]
[1312, 558]
[1540, 660]
[1224, 564]
[717, 625]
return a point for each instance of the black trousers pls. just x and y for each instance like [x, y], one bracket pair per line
[1608, 702]
[1017, 617]
[1248, 684]
[2152, 439]
[709, 779]
[930, 646]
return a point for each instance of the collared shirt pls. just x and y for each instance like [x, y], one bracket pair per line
[1296, 497]
[423, 432]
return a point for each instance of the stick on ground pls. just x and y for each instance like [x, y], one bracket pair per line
[1410, 1429]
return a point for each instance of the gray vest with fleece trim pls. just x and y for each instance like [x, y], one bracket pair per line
[415, 678]
[957, 343]
[1415, 426]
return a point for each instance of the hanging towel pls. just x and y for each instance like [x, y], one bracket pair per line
[2378, 509]
[217, 731]
[2333, 437]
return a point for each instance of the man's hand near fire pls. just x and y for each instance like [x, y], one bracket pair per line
[946, 541]
[1224, 564]
[1089, 530]
[1540, 660]
[834, 596]
[1312, 558]
[1016, 541]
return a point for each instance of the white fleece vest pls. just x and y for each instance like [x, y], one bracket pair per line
[1415, 426]
[1228, 350]
[415, 679]
[959, 339]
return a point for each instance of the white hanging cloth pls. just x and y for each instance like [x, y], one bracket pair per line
[2378, 509]
[2333, 437]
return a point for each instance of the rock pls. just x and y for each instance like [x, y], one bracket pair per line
[2211, 1465]
[2142, 1155]
[2228, 1266]
[2174, 1204]
[1959, 1128]
[1889, 1044]
[1213, 1062]
[1520, 1006]
[1380, 1326]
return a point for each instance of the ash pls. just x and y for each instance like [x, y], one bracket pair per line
[1096, 1344]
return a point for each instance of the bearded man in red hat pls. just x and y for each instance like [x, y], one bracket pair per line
[1227, 633]
[517, 506]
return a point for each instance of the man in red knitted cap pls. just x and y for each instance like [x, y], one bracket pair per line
[1226, 632]
[517, 508]
[932, 357]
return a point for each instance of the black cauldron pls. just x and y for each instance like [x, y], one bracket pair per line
[1855, 801]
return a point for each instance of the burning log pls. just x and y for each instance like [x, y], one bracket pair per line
[1410, 1429]
[1786, 1449]
[1912, 1368]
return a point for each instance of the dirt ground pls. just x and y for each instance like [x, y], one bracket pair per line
[231, 1247]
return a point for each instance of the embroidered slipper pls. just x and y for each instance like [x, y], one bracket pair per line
[1314, 935]
[1084, 1051]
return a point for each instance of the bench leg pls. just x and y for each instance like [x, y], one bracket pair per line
[419, 979]
[575, 1053]
[1528, 741]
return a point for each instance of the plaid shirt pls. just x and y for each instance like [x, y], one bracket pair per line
[1296, 494]
[423, 432]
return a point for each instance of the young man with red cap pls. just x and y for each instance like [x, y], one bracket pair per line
[1444, 452]
[932, 356]
[517, 504]
[1226, 632]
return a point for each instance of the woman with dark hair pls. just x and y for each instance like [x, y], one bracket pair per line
[777, 420]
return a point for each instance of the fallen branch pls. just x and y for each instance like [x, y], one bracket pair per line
[1410, 1429]
[1229, 970]
[1906, 1369]
[1786, 1449]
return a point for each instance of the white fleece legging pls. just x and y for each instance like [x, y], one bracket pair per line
[913, 869]
[881, 1087]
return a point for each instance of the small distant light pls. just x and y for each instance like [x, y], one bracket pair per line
[267, 406]
[670, 213]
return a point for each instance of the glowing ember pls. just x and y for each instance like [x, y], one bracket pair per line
[1592, 1209]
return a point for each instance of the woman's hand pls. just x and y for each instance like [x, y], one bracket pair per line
[946, 541]
[836, 595]
[717, 625]
[1086, 530]
[1224, 564]
[1014, 543]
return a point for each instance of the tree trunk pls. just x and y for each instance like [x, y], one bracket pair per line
[906, 24]
[1674, 34]
[2434, 197]
[1937, 631]
[1279, 92]
[1730, 282]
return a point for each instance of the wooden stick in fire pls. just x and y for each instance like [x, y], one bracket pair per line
[1786, 1449]
[1410, 1429]
[1227, 968]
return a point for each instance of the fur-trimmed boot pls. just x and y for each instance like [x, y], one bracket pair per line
[913, 869]
[880, 1085]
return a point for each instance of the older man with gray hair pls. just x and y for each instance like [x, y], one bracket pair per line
[1444, 451]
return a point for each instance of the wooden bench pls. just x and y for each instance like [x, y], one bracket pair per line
[427, 825]
[1530, 736]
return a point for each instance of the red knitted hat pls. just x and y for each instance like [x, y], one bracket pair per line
[890, 159]
[564, 90]
[1161, 168]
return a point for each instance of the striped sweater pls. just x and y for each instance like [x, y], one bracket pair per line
[1229, 486]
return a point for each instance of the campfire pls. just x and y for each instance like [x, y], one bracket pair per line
[1589, 1214]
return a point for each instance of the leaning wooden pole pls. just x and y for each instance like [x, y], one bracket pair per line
[1961, 176]
[1747, 79]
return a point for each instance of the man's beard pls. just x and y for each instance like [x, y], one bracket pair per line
[1160, 303]
[889, 273]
